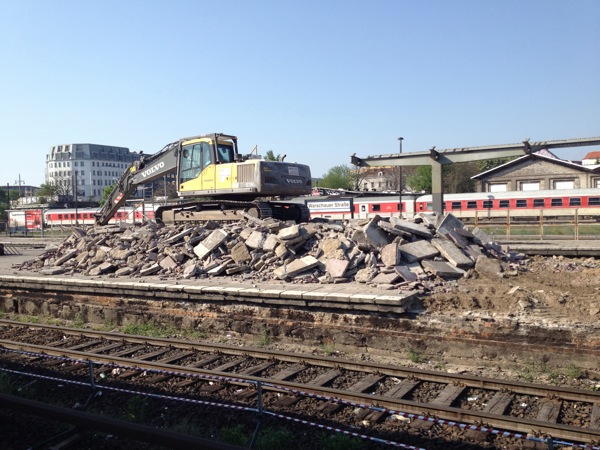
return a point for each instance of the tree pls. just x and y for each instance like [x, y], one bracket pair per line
[106, 194]
[338, 177]
[47, 189]
[421, 180]
[270, 156]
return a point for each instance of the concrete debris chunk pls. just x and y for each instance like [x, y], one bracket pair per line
[411, 227]
[375, 235]
[296, 267]
[417, 251]
[452, 253]
[389, 253]
[442, 269]
[210, 243]
[336, 268]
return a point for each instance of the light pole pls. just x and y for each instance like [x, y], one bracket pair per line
[400, 139]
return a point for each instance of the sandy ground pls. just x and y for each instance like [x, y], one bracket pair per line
[566, 289]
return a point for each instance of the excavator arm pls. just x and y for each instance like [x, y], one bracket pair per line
[145, 170]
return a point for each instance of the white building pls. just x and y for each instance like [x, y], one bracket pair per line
[90, 167]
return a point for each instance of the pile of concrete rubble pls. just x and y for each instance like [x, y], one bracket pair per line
[384, 252]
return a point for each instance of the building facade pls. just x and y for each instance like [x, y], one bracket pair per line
[539, 171]
[86, 169]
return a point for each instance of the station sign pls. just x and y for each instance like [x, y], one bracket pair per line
[345, 205]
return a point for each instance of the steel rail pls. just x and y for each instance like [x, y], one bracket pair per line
[516, 387]
[520, 425]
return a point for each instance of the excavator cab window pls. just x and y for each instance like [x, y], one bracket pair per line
[194, 158]
[225, 153]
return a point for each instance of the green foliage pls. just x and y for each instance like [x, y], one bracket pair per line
[47, 190]
[274, 439]
[489, 164]
[421, 180]
[414, 356]
[106, 193]
[78, 321]
[8, 385]
[264, 339]
[574, 372]
[150, 329]
[456, 178]
[235, 435]
[338, 177]
[340, 442]
[270, 156]
[136, 409]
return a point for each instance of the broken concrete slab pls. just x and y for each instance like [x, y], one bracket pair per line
[442, 269]
[406, 274]
[210, 243]
[336, 268]
[411, 227]
[452, 253]
[390, 255]
[448, 223]
[417, 251]
[386, 278]
[375, 235]
[240, 253]
[296, 267]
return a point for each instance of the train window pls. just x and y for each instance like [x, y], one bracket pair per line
[538, 202]
[521, 203]
[60, 217]
[399, 206]
[428, 206]
[504, 203]
[556, 202]
[488, 204]
[376, 207]
[363, 208]
[575, 201]
[471, 205]
[594, 201]
[455, 205]
[72, 216]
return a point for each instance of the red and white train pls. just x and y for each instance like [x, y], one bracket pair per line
[581, 203]
[26, 220]
[472, 206]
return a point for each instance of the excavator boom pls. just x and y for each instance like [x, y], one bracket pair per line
[145, 170]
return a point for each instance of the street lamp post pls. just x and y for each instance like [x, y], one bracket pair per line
[400, 139]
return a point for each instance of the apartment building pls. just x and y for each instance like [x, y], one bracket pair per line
[86, 169]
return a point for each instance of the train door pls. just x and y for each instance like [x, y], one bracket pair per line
[363, 210]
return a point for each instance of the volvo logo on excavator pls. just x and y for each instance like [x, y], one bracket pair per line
[153, 169]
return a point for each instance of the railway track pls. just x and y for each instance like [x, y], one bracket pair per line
[372, 399]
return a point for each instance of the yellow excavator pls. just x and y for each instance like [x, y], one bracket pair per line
[219, 183]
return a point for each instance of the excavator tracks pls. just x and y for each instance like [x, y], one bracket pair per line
[228, 210]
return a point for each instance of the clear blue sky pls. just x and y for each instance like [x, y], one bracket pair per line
[316, 80]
